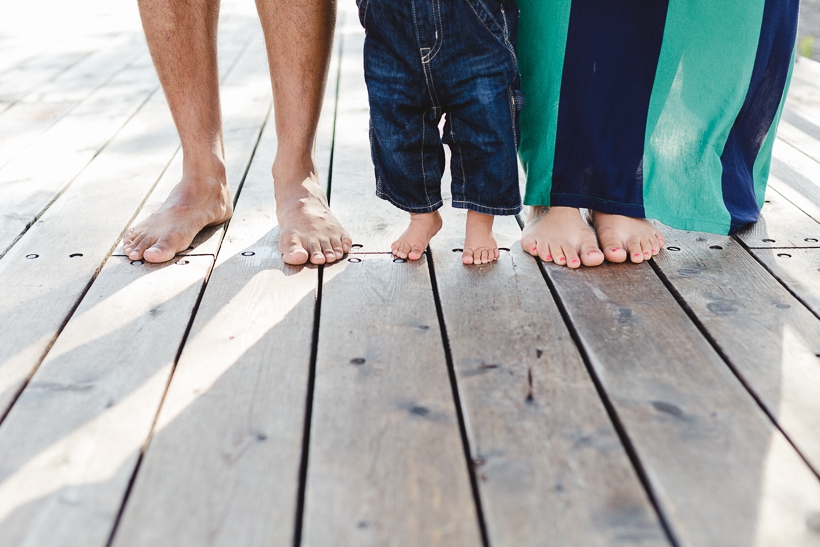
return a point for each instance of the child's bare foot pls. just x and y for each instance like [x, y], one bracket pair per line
[560, 235]
[622, 236]
[479, 244]
[412, 243]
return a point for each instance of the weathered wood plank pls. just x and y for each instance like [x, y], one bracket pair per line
[88, 218]
[769, 337]
[549, 462]
[23, 123]
[797, 269]
[796, 177]
[386, 461]
[29, 183]
[782, 224]
[69, 446]
[81, 79]
[16, 82]
[720, 471]
[223, 465]
[223, 468]
[800, 123]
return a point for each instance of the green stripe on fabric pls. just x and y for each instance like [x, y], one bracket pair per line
[763, 162]
[705, 67]
[542, 42]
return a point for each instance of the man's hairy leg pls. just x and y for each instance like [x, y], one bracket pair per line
[182, 40]
[299, 36]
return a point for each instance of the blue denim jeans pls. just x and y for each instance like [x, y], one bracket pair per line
[424, 59]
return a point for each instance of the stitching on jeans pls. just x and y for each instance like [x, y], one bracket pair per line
[511, 97]
[366, 5]
[439, 31]
[501, 210]
[460, 155]
[505, 42]
[431, 86]
[423, 170]
[432, 207]
[427, 78]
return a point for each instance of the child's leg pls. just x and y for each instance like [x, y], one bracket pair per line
[479, 244]
[405, 142]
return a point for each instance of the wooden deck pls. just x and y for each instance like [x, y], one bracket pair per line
[226, 399]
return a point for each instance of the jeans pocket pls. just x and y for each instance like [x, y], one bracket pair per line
[362, 5]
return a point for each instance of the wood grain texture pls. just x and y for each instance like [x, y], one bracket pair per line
[69, 446]
[38, 70]
[223, 467]
[386, 461]
[549, 461]
[797, 269]
[768, 336]
[27, 120]
[796, 177]
[800, 123]
[38, 293]
[720, 471]
[28, 184]
[782, 224]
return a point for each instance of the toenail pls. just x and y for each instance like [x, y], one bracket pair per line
[616, 249]
[575, 261]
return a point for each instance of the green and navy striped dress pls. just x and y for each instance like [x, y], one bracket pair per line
[664, 109]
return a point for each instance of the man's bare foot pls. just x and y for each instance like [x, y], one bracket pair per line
[199, 200]
[308, 230]
[560, 235]
[479, 244]
[413, 242]
[621, 237]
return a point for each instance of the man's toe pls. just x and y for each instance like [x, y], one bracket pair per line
[160, 251]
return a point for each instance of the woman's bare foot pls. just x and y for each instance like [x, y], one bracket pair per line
[621, 237]
[202, 198]
[308, 230]
[413, 242]
[479, 244]
[560, 235]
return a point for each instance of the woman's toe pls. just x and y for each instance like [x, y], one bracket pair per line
[558, 254]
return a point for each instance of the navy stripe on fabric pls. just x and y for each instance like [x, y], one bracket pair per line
[609, 71]
[771, 70]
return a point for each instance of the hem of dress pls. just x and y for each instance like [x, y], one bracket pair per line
[635, 211]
